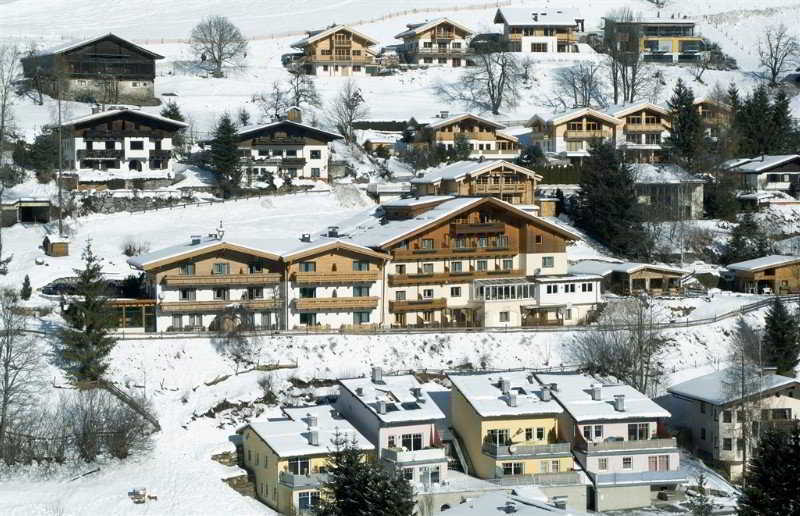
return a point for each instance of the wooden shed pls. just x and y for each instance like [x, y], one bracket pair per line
[55, 246]
[773, 274]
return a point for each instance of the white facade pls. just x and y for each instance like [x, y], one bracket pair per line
[296, 161]
[126, 154]
[339, 70]
[335, 318]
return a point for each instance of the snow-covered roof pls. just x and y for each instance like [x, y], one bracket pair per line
[289, 436]
[242, 132]
[537, 17]
[416, 201]
[77, 43]
[724, 386]
[314, 35]
[115, 112]
[574, 392]
[762, 163]
[396, 391]
[578, 112]
[462, 169]
[765, 262]
[417, 28]
[434, 123]
[484, 393]
[496, 502]
[621, 110]
[662, 173]
[603, 267]
[395, 187]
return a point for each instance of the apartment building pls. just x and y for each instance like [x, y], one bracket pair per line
[484, 137]
[660, 40]
[722, 427]
[440, 42]
[508, 425]
[573, 133]
[402, 421]
[771, 173]
[120, 148]
[644, 128]
[540, 30]
[336, 51]
[619, 439]
[288, 456]
[287, 148]
[496, 178]
[772, 274]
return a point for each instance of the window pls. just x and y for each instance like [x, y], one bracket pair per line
[498, 436]
[307, 499]
[586, 287]
[512, 468]
[361, 266]
[573, 146]
[309, 319]
[726, 416]
[602, 464]
[483, 242]
[538, 47]
[555, 466]
[427, 268]
[221, 268]
[109, 145]
[315, 172]
[221, 294]
[427, 243]
[360, 317]
[598, 431]
[587, 432]
[727, 444]
[540, 434]
[412, 442]
[255, 293]
[739, 444]
[504, 317]
[652, 139]
[627, 463]
[298, 466]
[391, 442]
[316, 154]
[308, 292]
[569, 288]
[455, 267]
[177, 323]
[361, 291]
[638, 432]
[427, 316]
[538, 239]
[529, 434]
[408, 474]
[508, 265]
[137, 145]
[482, 265]
[308, 267]
[427, 293]
[548, 262]
[552, 289]
[400, 295]
[703, 434]
[455, 291]
[188, 294]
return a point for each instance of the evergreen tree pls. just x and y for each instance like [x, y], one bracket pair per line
[687, 134]
[357, 486]
[25, 291]
[243, 116]
[608, 208]
[225, 155]
[780, 341]
[773, 476]
[701, 505]
[461, 147]
[86, 341]
[783, 130]
[719, 197]
[756, 124]
[172, 111]
[743, 244]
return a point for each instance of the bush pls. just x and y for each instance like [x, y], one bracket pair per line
[25, 291]
[131, 247]
[45, 176]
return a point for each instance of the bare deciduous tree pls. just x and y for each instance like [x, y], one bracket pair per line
[217, 42]
[9, 70]
[583, 84]
[778, 50]
[273, 102]
[493, 82]
[301, 88]
[347, 107]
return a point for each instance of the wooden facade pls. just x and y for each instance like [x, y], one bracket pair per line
[441, 42]
[484, 137]
[338, 50]
[500, 179]
[779, 279]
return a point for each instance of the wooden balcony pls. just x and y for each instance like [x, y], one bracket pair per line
[219, 305]
[469, 229]
[314, 304]
[418, 305]
[399, 280]
[644, 128]
[289, 140]
[101, 154]
[178, 280]
[468, 251]
[585, 134]
[491, 188]
[160, 154]
[569, 37]
[339, 59]
[445, 36]
[324, 278]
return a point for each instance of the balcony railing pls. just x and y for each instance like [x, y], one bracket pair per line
[426, 455]
[444, 35]
[417, 305]
[644, 128]
[641, 477]
[469, 250]
[497, 450]
[293, 161]
[585, 134]
[339, 58]
[101, 154]
[289, 140]
[440, 51]
[483, 188]
[540, 479]
[179, 280]
[219, 305]
[160, 154]
[644, 444]
[397, 280]
[310, 481]
[468, 229]
[335, 277]
[338, 303]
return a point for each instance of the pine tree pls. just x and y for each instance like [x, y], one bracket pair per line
[172, 111]
[757, 125]
[780, 341]
[608, 208]
[701, 505]
[783, 130]
[743, 245]
[25, 291]
[225, 155]
[687, 134]
[773, 476]
[86, 342]
[357, 486]
[461, 147]
[243, 116]
[719, 197]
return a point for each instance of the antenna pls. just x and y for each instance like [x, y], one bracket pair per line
[220, 231]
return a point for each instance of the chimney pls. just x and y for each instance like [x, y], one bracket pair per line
[512, 399]
[546, 396]
[313, 438]
[444, 114]
[305, 237]
[505, 385]
[619, 402]
[96, 109]
[377, 375]
[554, 387]
[359, 391]
[416, 392]
[381, 407]
[597, 391]
[294, 114]
[196, 239]
[535, 16]
[312, 421]
[333, 231]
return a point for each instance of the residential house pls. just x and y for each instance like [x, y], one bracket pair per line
[385, 192]
[773, 274]
[659, 40]
[336, 51]
[721, 426]
[540, 30]
[286, 148]
[438, 42]
[644, 128]
[573, 133]
[508, 424]
[714, 114]
[501, 179]
[633, 279]
[287, 457]
[120, 148]
[618, 437]
[484, 137]
[106, 68]
[668, 191]
[768, 172]
[401, 420]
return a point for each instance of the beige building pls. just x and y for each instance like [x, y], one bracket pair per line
[773, 274]
[484, 137]
[440, 42]
[337, 51]
[288, 457]
[540, 30]
[643, 131]
[573, 133]
[659, 40]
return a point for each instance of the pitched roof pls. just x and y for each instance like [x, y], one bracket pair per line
[621, 110]
[762, 163]
[116, 112]
[536, 17]
[314, 35]
[603, 268]
[724, 386]
[462, 169]
[575, 113]
[439, 122]
[483, 392]
[396, 392]
[416, 28]
[73, 44]
[328, 244]
[765, 262]
[242, 132]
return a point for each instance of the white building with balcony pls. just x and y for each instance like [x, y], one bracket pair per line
[771, 173]
[440, 42]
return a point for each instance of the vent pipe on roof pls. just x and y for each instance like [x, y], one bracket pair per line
[597, 391]
[505, 385]
[312, 421]
[377, 374]
[305, 237]
[333, 231]
[313, 438]
[444, 114]
[359, 391]
[512, 399]
[554, 387]
[416, 392]
[196, 239]
[381, 407]
[546, 396]
[619, 402]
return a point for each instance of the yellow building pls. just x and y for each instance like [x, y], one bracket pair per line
[661, 40]
[288, 457]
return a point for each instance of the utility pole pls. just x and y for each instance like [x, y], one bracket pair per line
[60, 162]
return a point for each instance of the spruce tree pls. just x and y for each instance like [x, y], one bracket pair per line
[744, 242]
[757, 125]
[461, 148]
[687, 135]
[783, 130]
[701, 505]
[780, 341]
[25, 291]
[357, 486]
[773, 476]
[225, 155]
[608, 208]
[87, 340]
[172, 111]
